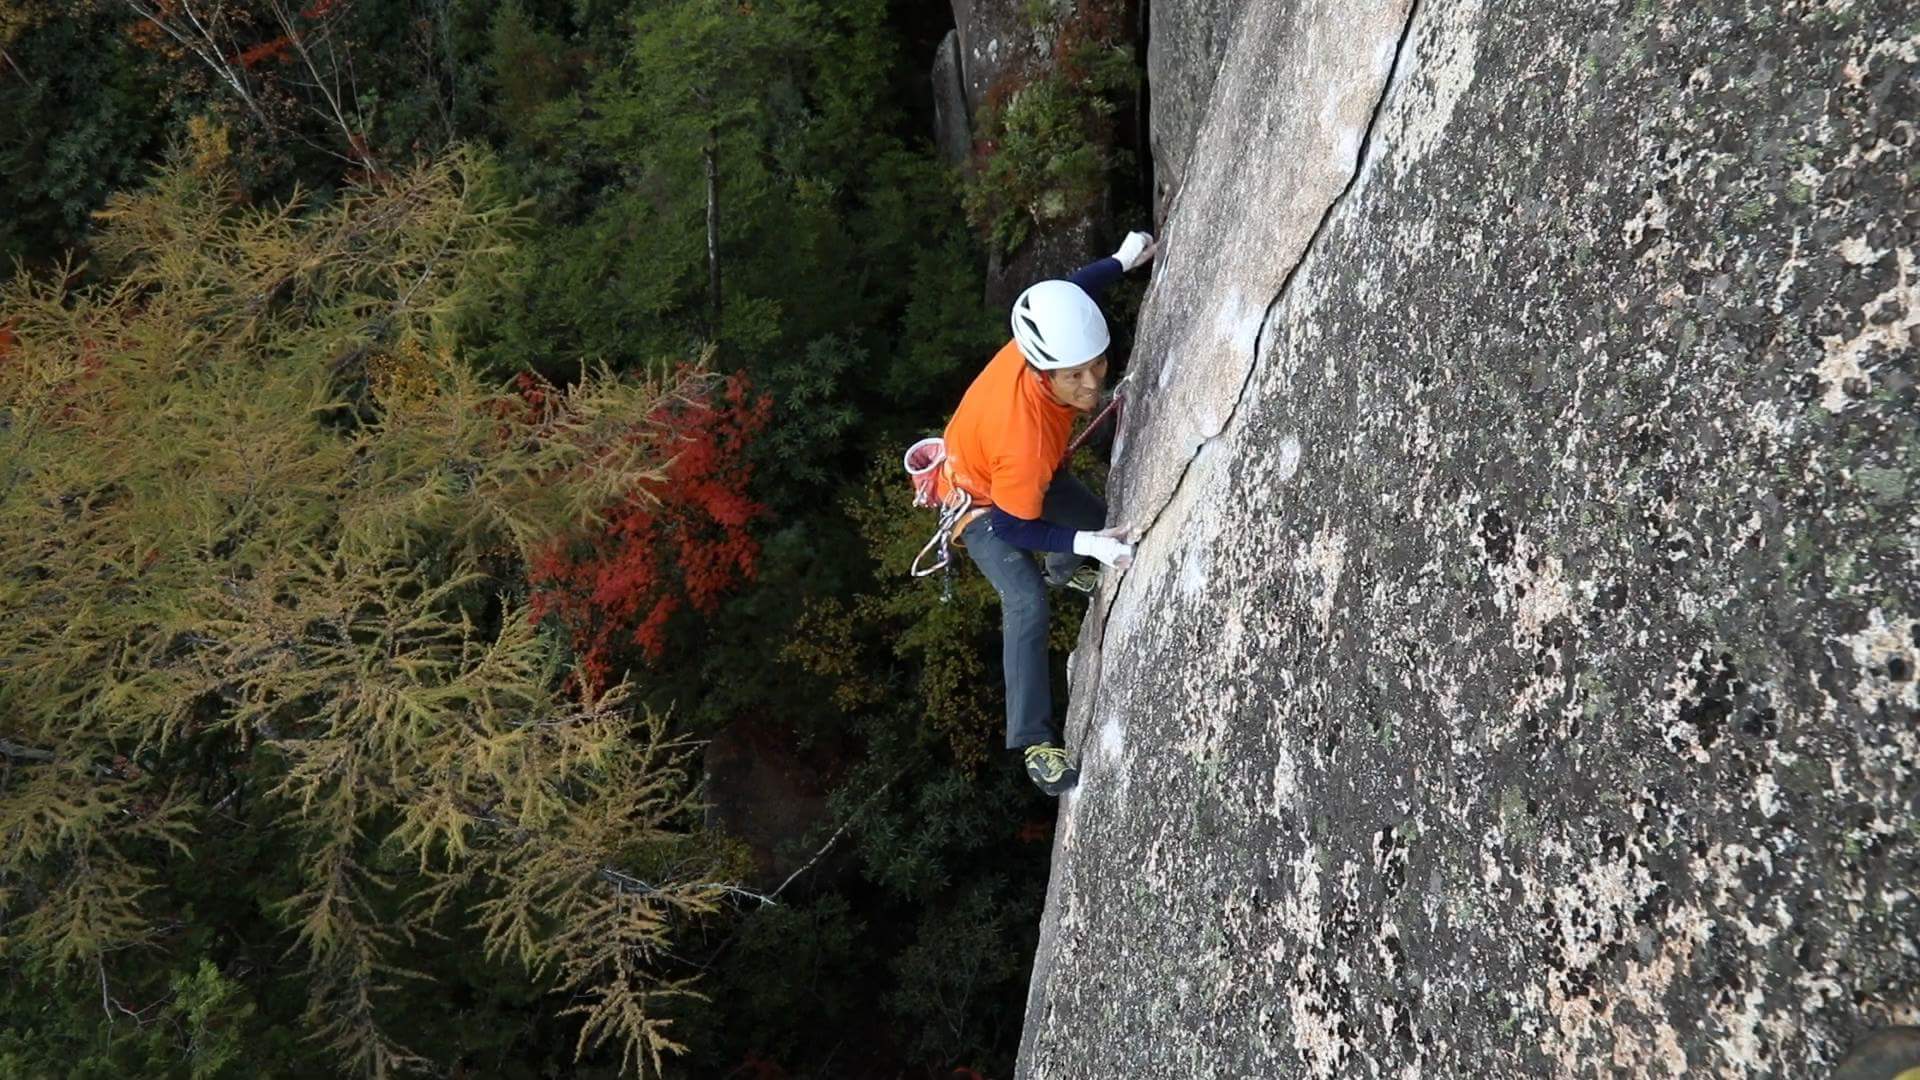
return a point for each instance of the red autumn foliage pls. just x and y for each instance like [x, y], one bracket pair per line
[1094, 26]
[277, 49]
[680, 542]
[536, 392]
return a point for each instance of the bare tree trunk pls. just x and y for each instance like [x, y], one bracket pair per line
[713, 231]
[327, 84]
[211, 40]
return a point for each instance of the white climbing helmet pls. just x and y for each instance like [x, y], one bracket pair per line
[1059, 326]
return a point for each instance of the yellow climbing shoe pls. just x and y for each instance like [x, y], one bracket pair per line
[1048, 768]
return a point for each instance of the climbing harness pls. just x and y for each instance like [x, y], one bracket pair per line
[927, 463]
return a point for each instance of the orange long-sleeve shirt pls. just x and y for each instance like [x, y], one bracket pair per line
[1008, 435]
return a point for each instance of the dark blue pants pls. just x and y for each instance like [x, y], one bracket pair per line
[1023, 603]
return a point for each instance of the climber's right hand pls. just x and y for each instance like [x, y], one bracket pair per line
[1136, 251]
[1105, 545]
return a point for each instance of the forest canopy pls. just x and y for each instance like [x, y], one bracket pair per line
[255, 535]
[428, 429]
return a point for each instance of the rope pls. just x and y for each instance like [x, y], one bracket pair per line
[1114, 407]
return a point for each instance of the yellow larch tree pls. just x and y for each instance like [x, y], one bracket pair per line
[261, 539]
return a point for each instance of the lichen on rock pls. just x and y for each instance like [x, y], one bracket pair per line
[1523, 651]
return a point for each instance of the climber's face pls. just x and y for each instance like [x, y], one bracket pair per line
[1079, 387]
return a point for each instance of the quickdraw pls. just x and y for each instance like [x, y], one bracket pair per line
[941, 544]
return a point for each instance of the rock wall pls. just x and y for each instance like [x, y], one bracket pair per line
[996, 41]
[1188, 40]
[952, 120]
[1518, 674]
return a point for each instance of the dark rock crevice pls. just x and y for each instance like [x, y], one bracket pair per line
[1143, 114]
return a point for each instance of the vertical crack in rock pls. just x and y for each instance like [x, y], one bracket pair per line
[1393, 77]
[1266, 319]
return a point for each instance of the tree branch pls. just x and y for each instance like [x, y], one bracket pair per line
[207, 48]
[355, 143]
[627, 883]
[713, 230]
[8, 57]
[838, 833]
[12, 749]
[209, 53]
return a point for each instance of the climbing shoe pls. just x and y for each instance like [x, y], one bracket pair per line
[1048, 768]
[1084, 580]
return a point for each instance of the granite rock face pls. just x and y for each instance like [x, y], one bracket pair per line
[952, 123]
[1188, 41]
[1056, 253]
[1518, 675]
[996, 40]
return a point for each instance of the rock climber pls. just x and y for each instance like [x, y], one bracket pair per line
[1005, 446]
